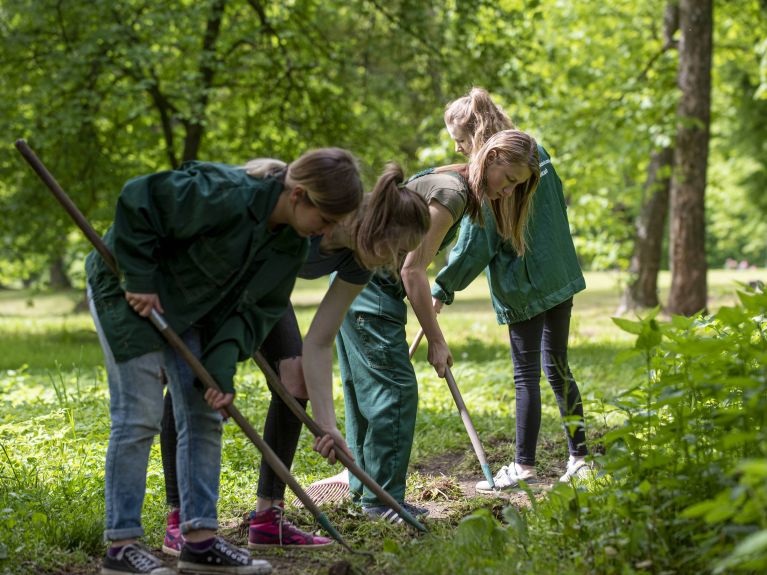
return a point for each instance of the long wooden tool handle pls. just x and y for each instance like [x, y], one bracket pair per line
[176, 342]
[276, 384]
[465, 417]
[469, 425]
[416, 343]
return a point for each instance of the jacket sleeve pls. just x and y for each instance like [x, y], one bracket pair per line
[472, 252]
[243, 332]
[178, 205]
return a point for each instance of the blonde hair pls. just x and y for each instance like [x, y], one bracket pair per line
[477, 116]
[392, 218]
[511, 213]
[330, 177]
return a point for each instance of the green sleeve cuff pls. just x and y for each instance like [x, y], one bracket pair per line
[221, 363]
[442, 295]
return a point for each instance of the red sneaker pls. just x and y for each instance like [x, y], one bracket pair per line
[174, 541]
[268, 529]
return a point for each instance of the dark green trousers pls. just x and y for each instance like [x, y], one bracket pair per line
[380, 390]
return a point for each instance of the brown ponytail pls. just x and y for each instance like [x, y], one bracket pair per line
[477, 116]
[391, 219]
[330, 177]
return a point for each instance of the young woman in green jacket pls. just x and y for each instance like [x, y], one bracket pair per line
[532, 292]
[216, 249]
[380, 388]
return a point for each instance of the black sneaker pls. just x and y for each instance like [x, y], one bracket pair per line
[388, 514]
[414, 510]
[220, 557]
[132, 559]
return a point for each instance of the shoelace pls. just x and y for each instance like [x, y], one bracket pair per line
[231, 552]
[503, 473]
[140, 559]
[392, 516]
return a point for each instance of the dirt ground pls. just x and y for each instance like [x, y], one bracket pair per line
[444, 490]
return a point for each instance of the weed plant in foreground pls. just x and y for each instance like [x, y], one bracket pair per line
[683, 482]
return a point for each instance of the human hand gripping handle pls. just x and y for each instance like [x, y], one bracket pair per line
[144, 303]
[439, 356]
[327, 445]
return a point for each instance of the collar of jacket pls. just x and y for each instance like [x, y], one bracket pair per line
[263, 200]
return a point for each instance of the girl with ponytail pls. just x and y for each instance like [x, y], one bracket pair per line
[380, 387]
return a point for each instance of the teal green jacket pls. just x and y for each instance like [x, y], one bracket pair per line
[520, 287]
[199, 238]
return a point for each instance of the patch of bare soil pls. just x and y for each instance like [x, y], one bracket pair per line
[444, 485]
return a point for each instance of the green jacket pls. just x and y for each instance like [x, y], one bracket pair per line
[520, 287]
[197, 237]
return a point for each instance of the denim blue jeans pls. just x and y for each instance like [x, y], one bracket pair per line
[135, 407]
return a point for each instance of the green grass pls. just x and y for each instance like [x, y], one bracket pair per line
[54, 420]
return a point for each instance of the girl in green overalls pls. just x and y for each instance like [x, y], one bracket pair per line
[532, 292]
[380, 388]
[216, 249]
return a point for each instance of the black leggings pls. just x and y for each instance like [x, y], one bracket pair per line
[281, 429]
[545, 334]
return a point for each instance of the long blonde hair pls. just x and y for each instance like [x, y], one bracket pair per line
[392, 218]
[330, 177]
[511, 213]
[477, 116]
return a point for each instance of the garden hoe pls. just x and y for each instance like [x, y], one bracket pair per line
[467, 423]
[175, 341]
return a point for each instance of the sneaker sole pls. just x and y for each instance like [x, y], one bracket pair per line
[286, 547]
[511, 489]
[197, 569]
[159, 571]
[171, 551]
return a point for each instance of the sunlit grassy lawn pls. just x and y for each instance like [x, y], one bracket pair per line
[54, 420]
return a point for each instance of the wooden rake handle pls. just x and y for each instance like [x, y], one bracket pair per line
[464, 413]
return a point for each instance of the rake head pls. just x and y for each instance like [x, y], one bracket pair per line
[329, 490]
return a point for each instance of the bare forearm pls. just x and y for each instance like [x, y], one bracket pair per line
[318, 375]
[419, 293]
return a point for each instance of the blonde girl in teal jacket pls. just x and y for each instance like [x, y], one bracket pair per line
[532, 293]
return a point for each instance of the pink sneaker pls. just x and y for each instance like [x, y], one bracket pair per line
[268, 529]
[174, 541]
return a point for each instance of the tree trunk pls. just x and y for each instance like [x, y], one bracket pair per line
[687, 231]
[195, 128]
[642, 290]
[59, 278]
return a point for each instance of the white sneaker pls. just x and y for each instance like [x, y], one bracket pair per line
[508, 477]
[577, 468]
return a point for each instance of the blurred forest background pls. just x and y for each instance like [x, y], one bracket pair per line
[105, 90]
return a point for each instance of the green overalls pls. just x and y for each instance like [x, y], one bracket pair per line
[380, 387]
